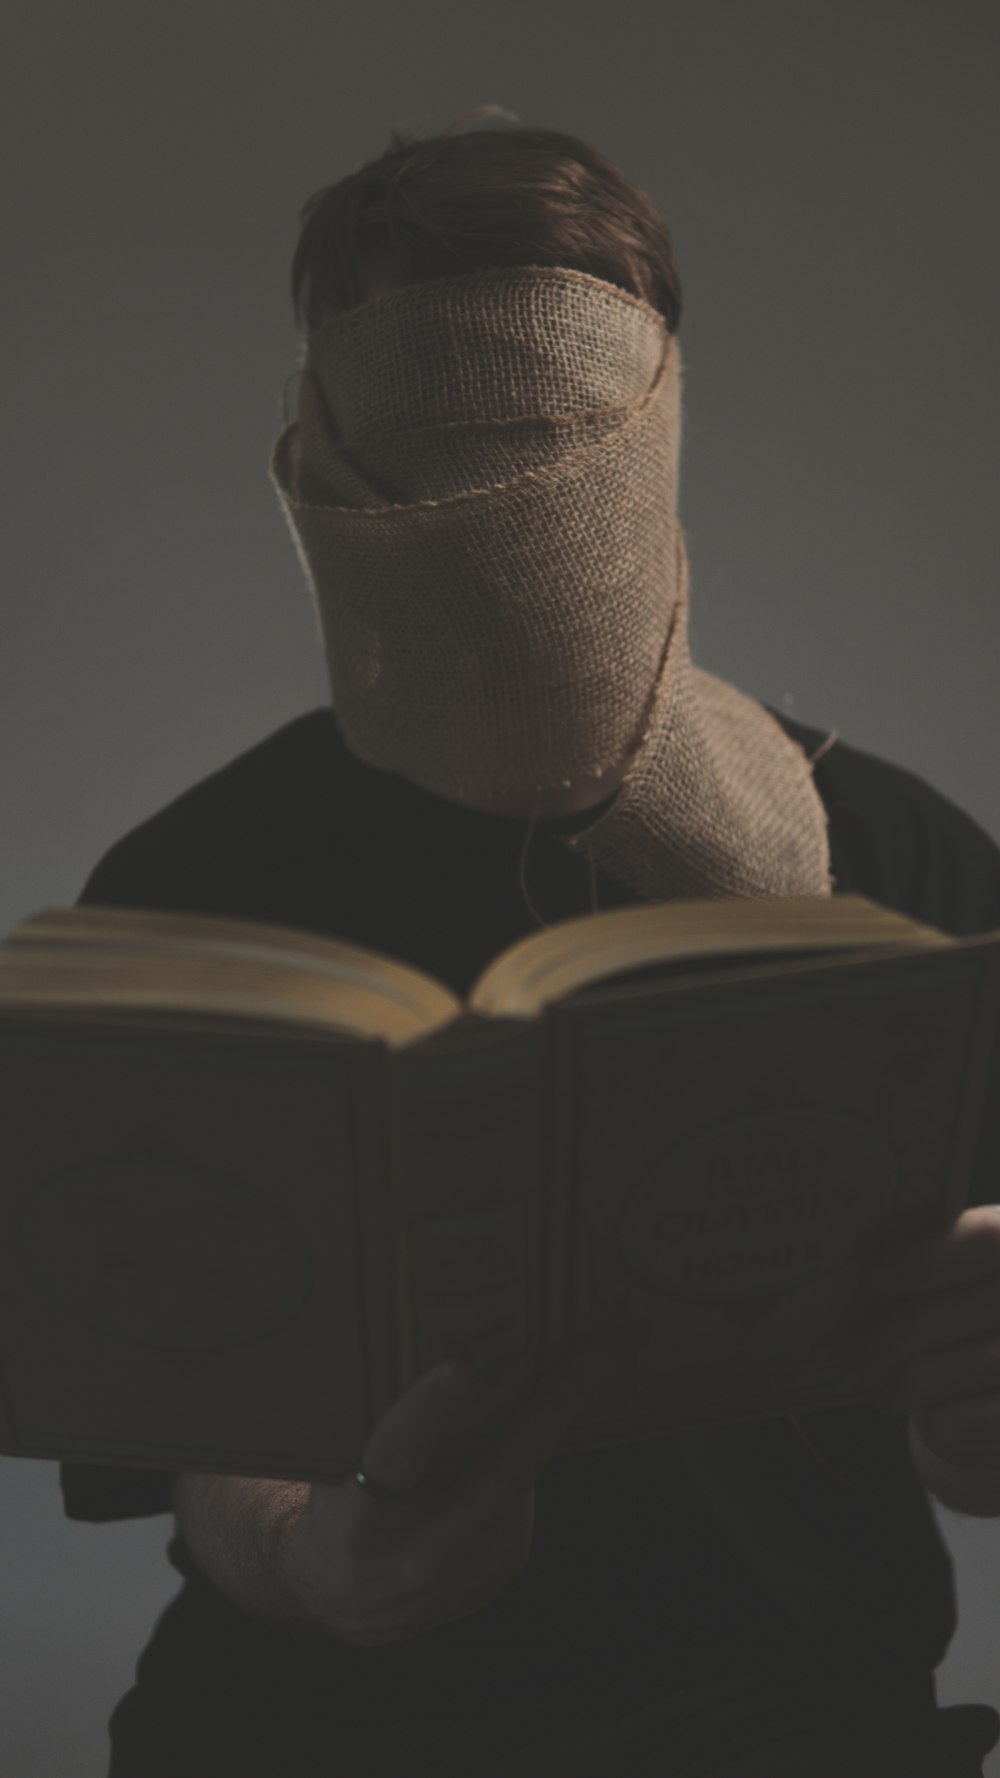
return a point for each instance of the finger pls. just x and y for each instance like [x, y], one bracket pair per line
[409, 1435]
[955, 1372]
[929, 1324]
[963, 1432]
[943, 1259]
[534, 1432]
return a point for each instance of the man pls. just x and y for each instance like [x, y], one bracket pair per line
[482, 486]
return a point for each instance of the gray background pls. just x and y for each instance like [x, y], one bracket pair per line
[829, 174]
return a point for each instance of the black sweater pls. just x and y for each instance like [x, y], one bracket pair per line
[627, 1556]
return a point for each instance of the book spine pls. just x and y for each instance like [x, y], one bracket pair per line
[558, 1229]
[470, 1213]
[380, 1220]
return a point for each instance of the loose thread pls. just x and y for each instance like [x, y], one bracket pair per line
[847, 1481]
[284, 394]
[521, 870]
[522, 876]
[834, 735]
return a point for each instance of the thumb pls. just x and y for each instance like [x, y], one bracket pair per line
[536, 1429]
[402, 1446]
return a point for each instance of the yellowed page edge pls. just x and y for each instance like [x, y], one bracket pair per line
[550, 964]
[144, 932]
[285, 999]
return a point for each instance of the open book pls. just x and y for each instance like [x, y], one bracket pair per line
[254, 1182]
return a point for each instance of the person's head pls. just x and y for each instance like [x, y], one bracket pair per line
[465, 205]
[465, 200]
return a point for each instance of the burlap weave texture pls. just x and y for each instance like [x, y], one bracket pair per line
[482, 484]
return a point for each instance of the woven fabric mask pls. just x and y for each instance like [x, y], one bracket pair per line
[482, 487]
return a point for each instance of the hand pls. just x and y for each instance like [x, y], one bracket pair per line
[373, 1572]
[935, 1352]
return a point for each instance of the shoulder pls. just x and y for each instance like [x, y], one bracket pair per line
[211, 847]
[896, 837]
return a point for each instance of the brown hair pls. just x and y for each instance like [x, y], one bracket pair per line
[441, 205]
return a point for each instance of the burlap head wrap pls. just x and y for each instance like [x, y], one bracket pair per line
[482, 486]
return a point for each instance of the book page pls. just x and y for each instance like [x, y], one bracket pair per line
[202, 982]
[348, 970]
[552, 964]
